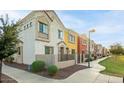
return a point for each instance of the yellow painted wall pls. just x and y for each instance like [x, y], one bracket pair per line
[69, 44]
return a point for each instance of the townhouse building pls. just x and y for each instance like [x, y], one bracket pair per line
[95, 50]
[99, 51]
[92, 48]
[104, 52]
[71, 41]
[82, 48]
[44, 37]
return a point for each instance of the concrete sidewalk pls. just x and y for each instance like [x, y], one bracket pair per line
[89, 75]
[92, 75]
[25, 77]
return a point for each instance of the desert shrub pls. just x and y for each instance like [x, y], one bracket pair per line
[52, 70]
[37, 66]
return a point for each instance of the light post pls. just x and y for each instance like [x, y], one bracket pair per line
[89, 54]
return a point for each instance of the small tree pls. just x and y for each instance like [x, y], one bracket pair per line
[8, 39]
[117, 49]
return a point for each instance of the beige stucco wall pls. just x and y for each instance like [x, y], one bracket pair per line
[53, 39]
[27, 36]
[53, 60]
[34, 47]
[48, 59]
[64, 64]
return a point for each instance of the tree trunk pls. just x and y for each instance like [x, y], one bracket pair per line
[1, 70]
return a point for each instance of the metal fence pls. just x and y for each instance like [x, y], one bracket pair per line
[66, 57]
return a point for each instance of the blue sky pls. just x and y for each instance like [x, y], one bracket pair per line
[109, 25]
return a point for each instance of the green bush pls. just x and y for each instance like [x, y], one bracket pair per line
[87, 60]
[37, 66]
[52, 70]
[9, 59]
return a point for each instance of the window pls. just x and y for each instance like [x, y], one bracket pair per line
[24, 27]
[48, 50]
[27, 25]
[84, 42]
[73, 51]
[60, 34]
[43, 28]
[19, 51]
[71, 38]
[30, 24]
[80, 41]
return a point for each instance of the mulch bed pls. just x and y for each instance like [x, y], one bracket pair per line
[61, 74]
[17, 65]
[7, 79]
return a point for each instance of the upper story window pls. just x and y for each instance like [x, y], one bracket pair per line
[60, 34]
[19, 51]
[27, 26]
[43, 28]
[71, 38]
[83, 42]
[30, 24]
[24, 27]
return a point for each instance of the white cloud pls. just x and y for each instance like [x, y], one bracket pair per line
[71, 22]
[13, 14]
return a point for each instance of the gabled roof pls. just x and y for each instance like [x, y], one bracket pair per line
[24, 18]
[48, 13]
[58, 19]
[61, 42]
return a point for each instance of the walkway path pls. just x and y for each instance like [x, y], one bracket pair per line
[90, 75]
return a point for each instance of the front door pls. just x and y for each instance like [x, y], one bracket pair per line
[82, 56]
[20, 55]
[61, 53]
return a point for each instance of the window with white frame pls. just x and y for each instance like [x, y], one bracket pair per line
[71, 38]
[27, 26]
[24, 27]
[19, 51]
[43, 28]
[49, 50]
[30, 24]
[60, 34]
[84, 42]
[73, 51]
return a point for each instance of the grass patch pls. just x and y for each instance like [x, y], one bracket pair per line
[114, 66]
